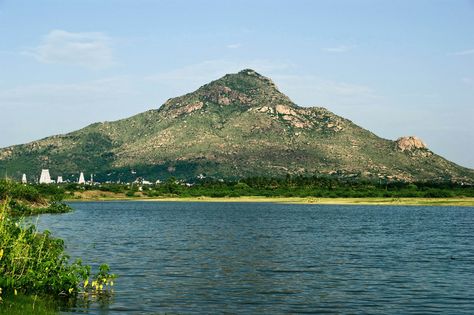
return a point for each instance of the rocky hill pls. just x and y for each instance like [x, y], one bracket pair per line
[237, 126]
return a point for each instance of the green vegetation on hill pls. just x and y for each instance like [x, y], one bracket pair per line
[238, 126]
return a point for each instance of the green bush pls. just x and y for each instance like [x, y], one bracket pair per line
[130, 193]
[35, 263]
[18, 208]
[437, 193]
[58, 207]
[25, 192]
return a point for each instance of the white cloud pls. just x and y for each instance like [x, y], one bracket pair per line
[463, 52]
[468, 81]
[234, 46]
[338, 49]
[66, 95]
[39, 110]
[309, 90]
[91, 50]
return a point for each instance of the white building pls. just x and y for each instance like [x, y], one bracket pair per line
[45, 178]
[60, 180]
[81, 178]
[23, 179]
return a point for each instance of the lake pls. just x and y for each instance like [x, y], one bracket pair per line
[265, 258]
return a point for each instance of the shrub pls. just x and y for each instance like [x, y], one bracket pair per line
[58, 207]
[437, 193]
[130, 193]
[33, 262]
[25, 192]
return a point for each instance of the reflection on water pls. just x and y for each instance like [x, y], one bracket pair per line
[266, 258]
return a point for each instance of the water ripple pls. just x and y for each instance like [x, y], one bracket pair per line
[249, 258]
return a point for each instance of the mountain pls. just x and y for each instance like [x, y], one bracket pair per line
[237, 126]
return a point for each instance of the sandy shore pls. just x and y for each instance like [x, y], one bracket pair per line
[98, 196]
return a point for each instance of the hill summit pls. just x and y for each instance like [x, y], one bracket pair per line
[237, 126]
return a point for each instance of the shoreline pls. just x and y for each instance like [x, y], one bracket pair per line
[456, 201]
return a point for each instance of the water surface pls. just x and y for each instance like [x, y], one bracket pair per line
[248, 258]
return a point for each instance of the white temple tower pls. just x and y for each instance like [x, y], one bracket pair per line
[45, 178]
[23, 179]
[81, 178]
[60, 180]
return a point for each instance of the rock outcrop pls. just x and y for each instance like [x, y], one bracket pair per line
[410, 143]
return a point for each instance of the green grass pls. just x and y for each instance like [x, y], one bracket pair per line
[454, 201]
[28, 304]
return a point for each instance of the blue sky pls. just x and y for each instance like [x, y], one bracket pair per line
[394, 67]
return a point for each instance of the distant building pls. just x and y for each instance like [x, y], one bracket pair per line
[45, 178]
[81, 179]
[60, 180]
[23, 179]
[142, 181]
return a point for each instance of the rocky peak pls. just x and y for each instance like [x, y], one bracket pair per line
[410, 143]
[248, 87]
[245, 89]
[246, 81]
[250, 72]
[256, 75]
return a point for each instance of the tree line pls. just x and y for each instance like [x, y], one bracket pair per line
[289, 186]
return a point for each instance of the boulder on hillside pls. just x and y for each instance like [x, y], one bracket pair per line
[410, 143]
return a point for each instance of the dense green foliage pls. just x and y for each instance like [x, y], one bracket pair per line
[19, 192]
[32, 199]
[34, 263]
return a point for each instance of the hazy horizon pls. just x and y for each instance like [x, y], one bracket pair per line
[396, 69]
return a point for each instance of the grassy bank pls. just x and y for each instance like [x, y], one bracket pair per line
[294, 189]
[108, 196]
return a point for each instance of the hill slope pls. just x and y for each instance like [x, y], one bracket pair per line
[237, 126]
